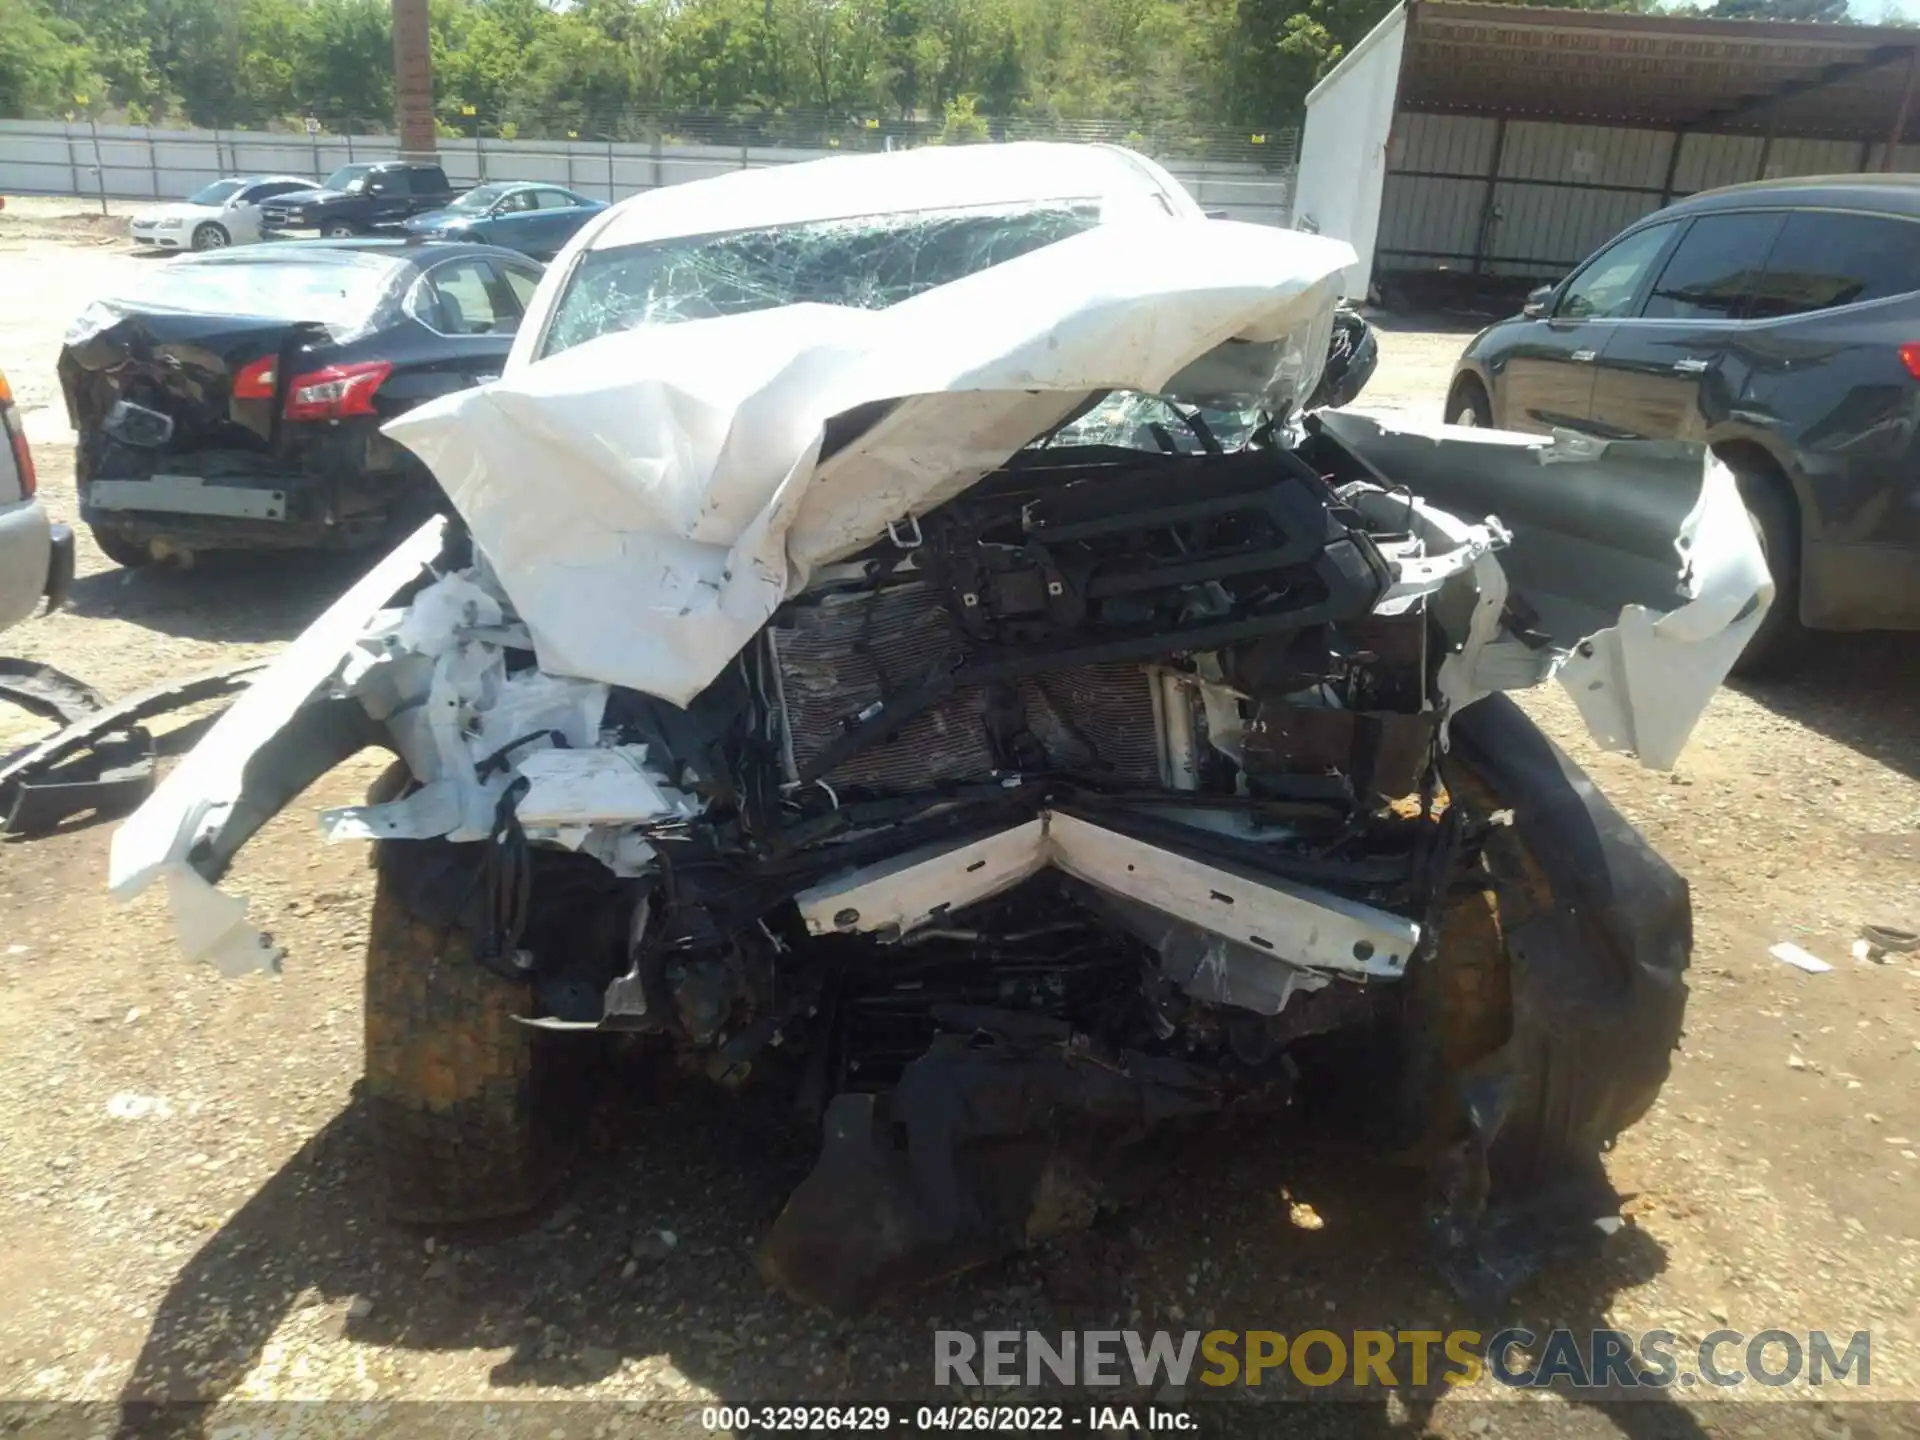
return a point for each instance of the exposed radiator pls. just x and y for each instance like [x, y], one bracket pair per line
[840, 654]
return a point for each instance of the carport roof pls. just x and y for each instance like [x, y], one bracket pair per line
[1658, 71]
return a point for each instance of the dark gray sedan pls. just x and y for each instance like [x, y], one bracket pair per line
[534, 219]
[1779, 323]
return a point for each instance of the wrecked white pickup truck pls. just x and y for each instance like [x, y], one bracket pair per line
[913, 633]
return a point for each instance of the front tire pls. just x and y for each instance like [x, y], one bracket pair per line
[211, 237]
[340, 230]
[459, 1090]
[1459, 994]
[1468, 404]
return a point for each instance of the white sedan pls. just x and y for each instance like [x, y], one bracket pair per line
[227, 212]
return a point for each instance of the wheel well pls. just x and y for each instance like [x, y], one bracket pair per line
[1465, 379]
[1761, 471]
[1464, 382]
[1751, 462]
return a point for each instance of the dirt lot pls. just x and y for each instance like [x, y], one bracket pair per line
[188, 1212]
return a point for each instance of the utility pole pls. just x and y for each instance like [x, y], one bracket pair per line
[413, 81]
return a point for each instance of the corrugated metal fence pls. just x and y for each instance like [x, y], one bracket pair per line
[1532, 199]
[134, 163]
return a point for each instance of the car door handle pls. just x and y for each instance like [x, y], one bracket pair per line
[1585, 357]
[1690, 367]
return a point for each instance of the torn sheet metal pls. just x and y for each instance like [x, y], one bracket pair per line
[1636, 561]
[597, 787]
[1291, 922]
[212, 926]
[464, 724]
[198, 798]
[702, 487]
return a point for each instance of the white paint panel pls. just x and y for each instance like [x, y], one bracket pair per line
[1305, 926]
[1343, 153]
[901, 894]
[1293, 923]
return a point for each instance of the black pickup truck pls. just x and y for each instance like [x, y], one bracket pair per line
[361, 199]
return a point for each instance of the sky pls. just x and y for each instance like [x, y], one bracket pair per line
[1872, 11]
[1867, 12]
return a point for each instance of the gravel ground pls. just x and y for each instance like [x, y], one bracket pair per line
[189, 1215]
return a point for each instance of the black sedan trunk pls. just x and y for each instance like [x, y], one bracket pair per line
[184, 439]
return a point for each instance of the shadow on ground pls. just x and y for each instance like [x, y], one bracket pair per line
[593, 1288]
[233, 598]
[1425, 321]
[1861, 690]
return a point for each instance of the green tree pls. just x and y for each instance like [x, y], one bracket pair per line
[539, 67]
[346, 65]
[578, 75]
[1830, 12]
[45, 64]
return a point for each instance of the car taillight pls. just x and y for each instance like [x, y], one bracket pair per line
[22, 457]
[16, 434]
[257, 379]
[1910, 357]
[336, 392]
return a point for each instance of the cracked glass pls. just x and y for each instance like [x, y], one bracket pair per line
[869, 262]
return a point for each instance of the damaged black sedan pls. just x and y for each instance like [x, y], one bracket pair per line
[236, 402]
[968, 682]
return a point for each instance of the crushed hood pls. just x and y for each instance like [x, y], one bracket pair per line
[648, 499]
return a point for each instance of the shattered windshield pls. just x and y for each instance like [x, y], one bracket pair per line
[348, 178]
[869, 262]
[339, 291]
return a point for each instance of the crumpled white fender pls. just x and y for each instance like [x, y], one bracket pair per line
[1589, 531]
[1641, 684]
[208, 780]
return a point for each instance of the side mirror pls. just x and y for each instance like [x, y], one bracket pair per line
[1539, 302]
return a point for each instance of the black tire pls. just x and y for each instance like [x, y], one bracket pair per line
[1459, 995]
[128, 554]
[1468, 404]
[211, 236]
[462, 1096]
[340, 230]
[1781, 638]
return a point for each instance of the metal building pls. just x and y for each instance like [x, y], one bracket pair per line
[1506, 140]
